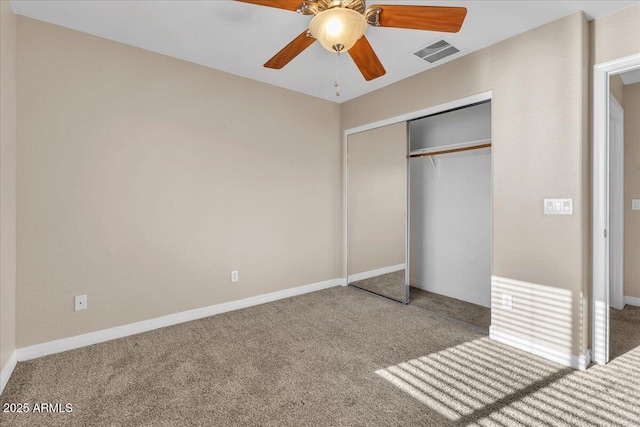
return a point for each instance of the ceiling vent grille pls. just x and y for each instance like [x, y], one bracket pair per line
[436, 51]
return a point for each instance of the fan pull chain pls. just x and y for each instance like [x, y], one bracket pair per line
[337, 82]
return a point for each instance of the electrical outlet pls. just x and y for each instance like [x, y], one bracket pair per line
[507, 301]
[234, 276]
[81, 302]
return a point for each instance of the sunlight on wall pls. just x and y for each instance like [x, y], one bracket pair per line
[485, 383]
[539, 314]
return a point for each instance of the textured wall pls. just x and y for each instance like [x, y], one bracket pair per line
[539, 83]
[7, 181]
[144, 180]
[615, 35]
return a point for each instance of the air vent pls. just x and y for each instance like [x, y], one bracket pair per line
[436, 51]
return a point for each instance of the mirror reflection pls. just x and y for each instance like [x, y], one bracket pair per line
[377, 210]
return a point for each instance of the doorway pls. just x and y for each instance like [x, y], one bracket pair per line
[608, 225]
[624, 206]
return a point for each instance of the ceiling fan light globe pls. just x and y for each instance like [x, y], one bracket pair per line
[338, 26]
[334, 27]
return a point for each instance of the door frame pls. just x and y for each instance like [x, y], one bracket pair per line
[483, 96]
[600, 197]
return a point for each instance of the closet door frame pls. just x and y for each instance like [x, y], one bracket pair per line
[480, 97]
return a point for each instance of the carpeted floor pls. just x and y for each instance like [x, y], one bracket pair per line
[335, 357]
[456, 309]
[624, 332]
[392, 285]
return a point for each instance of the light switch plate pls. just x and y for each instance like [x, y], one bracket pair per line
[558, 206]
[635, 204]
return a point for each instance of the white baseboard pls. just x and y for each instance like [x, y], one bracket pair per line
[373, 273]
[7, 370]
[566, 359]
[64, 344]
[632, 301]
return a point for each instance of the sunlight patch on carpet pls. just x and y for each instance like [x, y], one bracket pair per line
[485, 383]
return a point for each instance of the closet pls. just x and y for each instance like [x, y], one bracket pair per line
[419, 212]
[450, 213]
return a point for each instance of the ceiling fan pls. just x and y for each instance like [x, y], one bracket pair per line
[339, 25]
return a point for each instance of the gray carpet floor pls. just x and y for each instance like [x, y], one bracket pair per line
[335, 357]
[624, 332]
[392, 285]
[463, 311]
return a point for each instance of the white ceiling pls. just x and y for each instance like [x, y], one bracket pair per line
[238, 37]
[631, 77]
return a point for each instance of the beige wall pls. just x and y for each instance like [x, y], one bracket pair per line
[539, 151]
[7, 182]
[377, 198]
[615, 35]
[631, 190]
[616, 87]
[144, 180]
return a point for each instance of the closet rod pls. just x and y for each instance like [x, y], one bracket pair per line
[453, 150]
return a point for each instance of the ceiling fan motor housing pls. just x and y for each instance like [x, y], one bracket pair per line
[313, 7]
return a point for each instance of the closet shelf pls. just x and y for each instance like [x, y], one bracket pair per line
[452, 149]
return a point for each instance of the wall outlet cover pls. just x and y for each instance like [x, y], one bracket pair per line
[80, 302]
[507, 301]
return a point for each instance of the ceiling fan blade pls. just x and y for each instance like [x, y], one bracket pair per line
[293, 5]
[366, 59]
[290, 51]
[431, 18]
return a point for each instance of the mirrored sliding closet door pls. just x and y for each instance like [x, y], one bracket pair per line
[377, 211]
